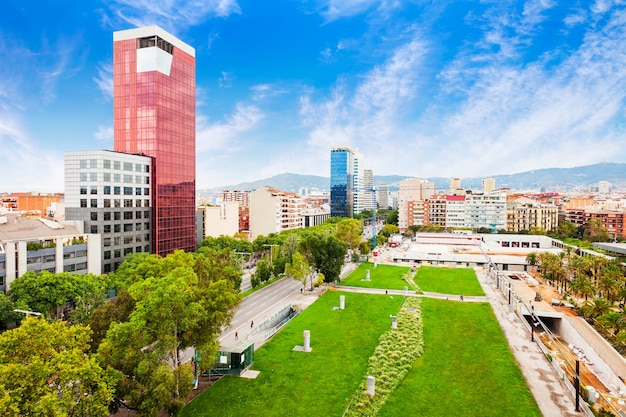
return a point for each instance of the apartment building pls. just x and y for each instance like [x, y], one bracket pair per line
[524, 214]
[413, 190]
[272, 211]
[243, 200]
[455, 211]
[486, 211]
[218, 220]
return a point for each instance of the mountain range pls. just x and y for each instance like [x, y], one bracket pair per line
[540, 180]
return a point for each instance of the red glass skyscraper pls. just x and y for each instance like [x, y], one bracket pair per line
[154, 89]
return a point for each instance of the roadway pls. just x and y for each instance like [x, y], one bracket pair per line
[261, 305]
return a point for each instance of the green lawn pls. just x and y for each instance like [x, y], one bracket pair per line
[448, 280]
[467, 368]
[383, 276]
[319, 383]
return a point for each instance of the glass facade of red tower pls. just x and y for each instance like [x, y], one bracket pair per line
[155, 114]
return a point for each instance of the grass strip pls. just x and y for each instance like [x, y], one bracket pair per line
[467, 368]
[382, 276]
[392, 359]
[459, 281]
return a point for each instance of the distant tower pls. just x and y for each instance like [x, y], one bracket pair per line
[346, 181]
[455, 186]
[154, 89]
[489, 185]
[604, 187]
[382, 194]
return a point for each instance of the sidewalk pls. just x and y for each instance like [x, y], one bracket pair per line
[551, 394]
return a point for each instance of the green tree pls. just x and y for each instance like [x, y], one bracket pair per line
[595, 232]
[566, 230]
[263, 270]
[389, 229]
[299, 269]
[350, 231]
[173, 311]
[325, 253]
[582, 286]
[116, 311]
[49, 293]
[6, 311]
[392, 217]
[593, 309]
[45, 370]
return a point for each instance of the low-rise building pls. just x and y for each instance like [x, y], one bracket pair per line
[39, 244]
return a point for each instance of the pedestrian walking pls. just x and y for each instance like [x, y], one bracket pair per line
[461, 297]
[236, 335]
[252, 324]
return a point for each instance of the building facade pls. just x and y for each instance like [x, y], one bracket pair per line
[40, 244]
[272, 211]
[111, 193]
[486, 211]
[154, 95]
[342, 187]
[218, 220]
[525, 214]
[243, 200]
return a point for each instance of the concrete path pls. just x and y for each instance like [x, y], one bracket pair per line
[551, 394]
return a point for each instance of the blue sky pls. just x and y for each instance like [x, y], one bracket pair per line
[421, 88]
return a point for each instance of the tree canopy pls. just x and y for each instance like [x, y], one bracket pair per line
[45, 371]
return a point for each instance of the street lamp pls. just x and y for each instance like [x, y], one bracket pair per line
[28, 313]
[271, 253]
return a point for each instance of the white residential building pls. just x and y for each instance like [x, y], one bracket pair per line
[486, 211]
[272, 211]
[218, 220]
[455, 211]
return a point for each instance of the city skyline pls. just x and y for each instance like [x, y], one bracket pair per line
[450, 89]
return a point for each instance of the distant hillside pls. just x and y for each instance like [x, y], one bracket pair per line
[549, 179]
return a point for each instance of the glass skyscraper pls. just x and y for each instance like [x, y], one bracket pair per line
[155, 115]
[341, 181]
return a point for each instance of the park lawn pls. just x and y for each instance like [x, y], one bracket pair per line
[460, 281]
[467, 368]
[319, 383]
[383, 276]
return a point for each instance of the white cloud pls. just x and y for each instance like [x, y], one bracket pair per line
[172, 15]
[336, 9]
[104, 80]
[495, 113]
[224, 136]
[364, 117]
[25, 163]
[227, 79]
[104, 133]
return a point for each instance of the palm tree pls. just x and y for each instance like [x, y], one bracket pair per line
[611, 278]
[593, 309]
[583, 287]
[611, 323]
[532, 260]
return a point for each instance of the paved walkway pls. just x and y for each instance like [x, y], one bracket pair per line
[551, 394]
